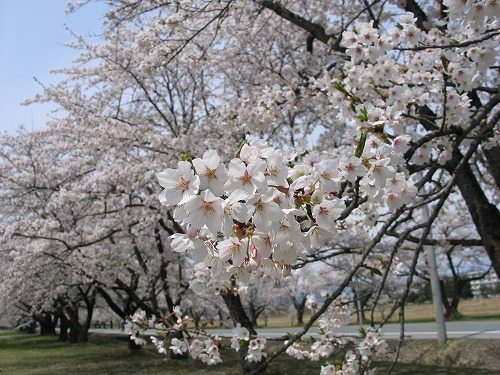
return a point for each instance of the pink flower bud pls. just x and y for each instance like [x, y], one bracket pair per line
[191, 232]
[255, 260]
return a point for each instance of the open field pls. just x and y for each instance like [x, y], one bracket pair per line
[108, 354]
[471, 310]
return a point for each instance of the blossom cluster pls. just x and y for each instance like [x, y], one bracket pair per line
[338, 315]
[373, 342]
[349, 367]
[472, 11]
[267, 207]
[198, 345]
[256, 346]
[139, 323]
[388, 77]
[388, 86]
[206, 349]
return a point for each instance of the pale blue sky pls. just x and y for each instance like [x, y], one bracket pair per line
[32, 42]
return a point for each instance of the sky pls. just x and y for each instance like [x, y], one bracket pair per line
[32, 43]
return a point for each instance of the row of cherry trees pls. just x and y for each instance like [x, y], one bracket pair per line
[309, 132]
[406, 97]
[81, 222]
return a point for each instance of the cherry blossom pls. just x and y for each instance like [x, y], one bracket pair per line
[246, 177]
[205, 209]
[212, 173]
[233, 249]
[327, 212]
[178, 346]
[179, 184]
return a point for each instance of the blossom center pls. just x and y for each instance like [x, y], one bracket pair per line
[260, 206]
[183, 184]
[207, 208]
[234, 248]
[273, 171]
[246, 179]
[323, 211]
[210, 173]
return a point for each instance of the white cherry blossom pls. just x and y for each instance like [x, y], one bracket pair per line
[205, 209]
[233, 249]
[327, 212]
[212, 173]
[248, 178]
[179, 184]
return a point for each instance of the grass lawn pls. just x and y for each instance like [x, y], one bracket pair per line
[478, 309]
[109, 354]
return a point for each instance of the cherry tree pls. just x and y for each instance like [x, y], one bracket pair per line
[88, 237]
[359, 116]
[405, 96]
[312, 42]
[88, 179]
[39, 277]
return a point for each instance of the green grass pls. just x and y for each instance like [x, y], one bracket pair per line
[430, 370]
[10, 333]
[109, 354]
[469, 318]
[473, 317]
[478, 309]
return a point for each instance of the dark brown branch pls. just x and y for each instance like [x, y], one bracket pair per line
[412, 6]
[451, 241]
[316, 31]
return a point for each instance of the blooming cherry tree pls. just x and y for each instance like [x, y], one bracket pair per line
[309, 131]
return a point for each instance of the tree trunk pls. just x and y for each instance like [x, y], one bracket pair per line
[255, 312]
[64, 326]
[300, 308]
[446, 302]
[237, 312]
[77, 332]
[74, 325]
[48, 323]
[451, 303]
[196, 316]
[253, 315]
[484, 214]
[493, 159]
[29, 328]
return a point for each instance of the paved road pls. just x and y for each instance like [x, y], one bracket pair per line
[485, 329]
